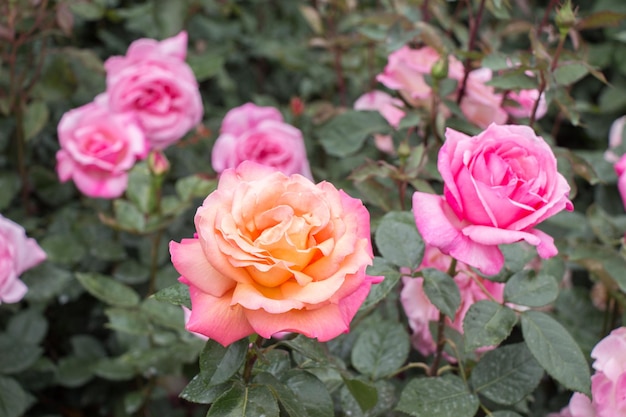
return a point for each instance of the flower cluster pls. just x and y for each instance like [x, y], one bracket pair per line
[608, 384]
[254, 133]
[406, 72]
[17, 254]
[151, 101]
[275, 253]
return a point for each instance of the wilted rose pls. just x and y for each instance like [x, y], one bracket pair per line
[498, 186]
[17, 254]
[259, 134]
[275, 253]
[98, 148]
[154, 81]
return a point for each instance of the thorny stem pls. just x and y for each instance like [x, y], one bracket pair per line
[475, 24]
[252, 356]
[441, 340]
[546, 14]
[543, 84]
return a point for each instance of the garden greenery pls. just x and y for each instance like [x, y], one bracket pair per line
[312, 208]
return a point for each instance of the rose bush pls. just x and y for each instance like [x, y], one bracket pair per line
[275, 253]
[498, 186]
[481, 104]
[254, 133]
[421, 312]
[98, 148]
[17, 254]
[154, 81]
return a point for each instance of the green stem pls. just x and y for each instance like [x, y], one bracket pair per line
[251, 357]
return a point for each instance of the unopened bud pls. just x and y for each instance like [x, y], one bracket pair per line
[439, 70]
[565, 18]
[297, 106]
[404, 150]
[158, 163]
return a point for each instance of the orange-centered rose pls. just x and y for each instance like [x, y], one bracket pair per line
[275, 253]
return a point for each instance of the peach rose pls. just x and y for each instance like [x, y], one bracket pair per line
[275, 253]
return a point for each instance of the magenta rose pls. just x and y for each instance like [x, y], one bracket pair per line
[154, 81]
[389, 107]
[421, 312]
[616, 133]
[259, 134]
[498, 186]
[620, 170]
[275, 253]
[98, 148]
[481, 104]
[405, 71]
[523, 103]
[17, 254]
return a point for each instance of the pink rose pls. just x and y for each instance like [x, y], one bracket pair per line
[154, 81]
[498, 186]
[405, 71]
[275, 254]
[98, 148]
[620, 170]
[253, 133]
[420, 311]
[524, 101]
[17, 254]
[481, 104]
[615, 139]
[389, 108]
[608, 384]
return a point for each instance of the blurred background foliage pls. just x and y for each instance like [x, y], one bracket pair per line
[89, 340]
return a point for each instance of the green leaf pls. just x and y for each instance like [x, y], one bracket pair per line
[381, 349]
[556, 350]
[250, 401]
[14, 401]
[108, 290]
[507, 374]
[194, 186]
[568, 74]
[28, 326]
[63, 248]
[379, 291]
[283, 393]
[346, 133]
[163, 313]
[169, 16]
[219, 363]
[140, 190]
[87, 11]
[130, 321]
[505, 413]
[35, 118]
[601, 19]
[128, 216]
[46, 281]
[365, 394]
[73, 371]
[307, 347]
[177, 294]
[487, 323]
[113, 369]
[512, 81]
[16, 355]
[527, 288]
[442, 291]
[310, 393]
[200, 391]
[438, 397]
[398, 240]
[10, 185]
[206, 65]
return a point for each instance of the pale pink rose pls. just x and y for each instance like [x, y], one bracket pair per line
[525, 102]
[258, 134]
[481, 104]
[405, 71]
[154, 81]
[620, 170]
[498, 186]
[615, 139]
[389, 108]
[275, 253]
[17, 254]
[420, 311]
[579, 406]
[98, 148]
